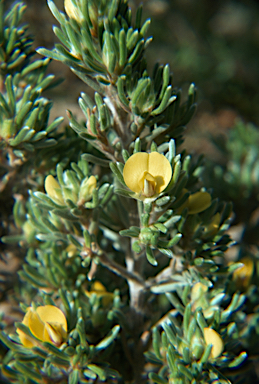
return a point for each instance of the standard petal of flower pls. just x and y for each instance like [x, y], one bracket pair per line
[27, 341]
[134, 169]
[198, 202]
[36, 325]
[160, 168]
[51, 314]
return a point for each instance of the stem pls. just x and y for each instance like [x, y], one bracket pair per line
[121, 271]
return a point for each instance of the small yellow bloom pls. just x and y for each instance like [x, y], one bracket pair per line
[147, 174]
[72, 11]
[242, 275]
[53, 189]
[213, 225]
[198, 290]
[100, 291]
[212, 337]
[47, 323]
[196, 203]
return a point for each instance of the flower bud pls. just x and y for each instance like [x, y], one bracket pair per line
[86, 189]
[72, 11]
[213, 338]
[242, 275]
[53, 189]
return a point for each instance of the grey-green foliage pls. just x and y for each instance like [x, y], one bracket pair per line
[180, 342]
[125, 89]
[24, 111]
[87, 225]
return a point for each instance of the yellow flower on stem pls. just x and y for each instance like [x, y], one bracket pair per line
[53, 189]
[212, 337]
[147, 174]
[47, 323]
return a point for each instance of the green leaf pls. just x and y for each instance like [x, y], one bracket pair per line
[108, 339]
[131, 232]
[157, 379]
[98, 371]
[57, 352]
[150, 256]
[116, 171]
[28, 371]
[73, 377]
[238, 360]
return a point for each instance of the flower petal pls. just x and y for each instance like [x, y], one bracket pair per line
[198, 202]
[133, 170]
[36, 325]
[160, 168]
[52, 314]
[27, 341]
[212, 337]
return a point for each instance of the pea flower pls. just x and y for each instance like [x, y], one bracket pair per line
[47, 323]
[147, 174]
[196, 203]
[212, 337]
[100, 291]
[213, 226]
[242, 275]
[53, 189]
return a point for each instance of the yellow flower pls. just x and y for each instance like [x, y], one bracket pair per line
[198, 296]
[46, 323]
[53, 189]
[72, 11]
[100, 291]
[243, 274]
[147, 174]
[213, 225]
[196, 203]
[212, 337]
